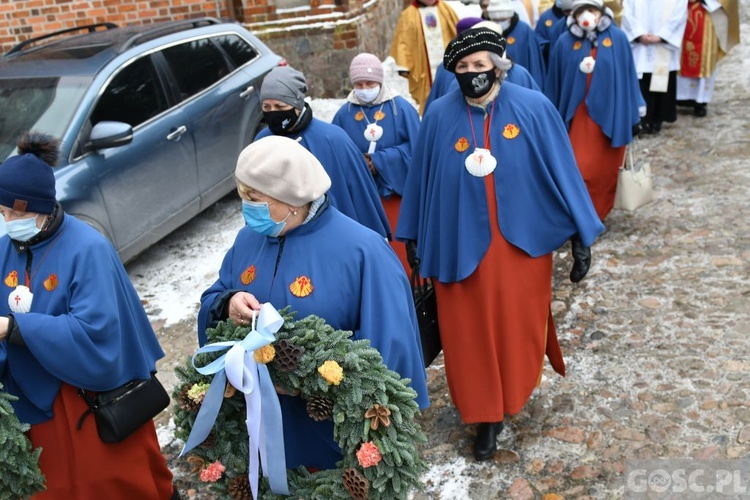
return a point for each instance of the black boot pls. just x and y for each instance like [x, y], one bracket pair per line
[485, 444]
[700, 110]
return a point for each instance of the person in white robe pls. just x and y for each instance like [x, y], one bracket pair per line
[655, 29]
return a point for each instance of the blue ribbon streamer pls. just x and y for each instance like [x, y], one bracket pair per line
[264, 423]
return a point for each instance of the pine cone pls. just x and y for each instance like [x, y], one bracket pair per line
[239, 488]
[185, 402]
[356, 484]
[287, 355]
[319, 408]
[210, 440]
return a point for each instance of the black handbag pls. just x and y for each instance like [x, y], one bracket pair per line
[122, 411]
[425, 303]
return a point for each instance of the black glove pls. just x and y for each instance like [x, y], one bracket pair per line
[411, 254]
[637, 129]
[581, 259]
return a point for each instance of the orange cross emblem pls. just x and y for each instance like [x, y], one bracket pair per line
[577, 46]
[607, 42]
[379, 115]
[248, 275]
[359, 116]
[548, 23]
[51, 282]
[511, 40]
[511, 131]
[462, 144]
[301, 287]
[12, 279]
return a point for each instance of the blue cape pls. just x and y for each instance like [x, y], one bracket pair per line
[541, 198]
[556, 31]
[353, 191]
[545, 24]
[445, 82]
[86, 326]
[393, 154]
[358, 285]
[614, 95]
[523, 47]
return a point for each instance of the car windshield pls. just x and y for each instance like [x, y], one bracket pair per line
[42, 104]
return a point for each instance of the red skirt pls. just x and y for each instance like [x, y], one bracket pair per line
[496, 327]
[392, 206]
[78, 465]
[597, 160]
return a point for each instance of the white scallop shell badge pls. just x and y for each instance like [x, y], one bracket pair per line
[480, 162]
[373, 132]
[20, 299]
[587, 65]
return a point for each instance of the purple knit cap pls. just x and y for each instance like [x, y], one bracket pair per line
[466, 23]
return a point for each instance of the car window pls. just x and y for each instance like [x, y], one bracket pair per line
[133, 96]
[45, 104]
[238, 49]
[196, 65]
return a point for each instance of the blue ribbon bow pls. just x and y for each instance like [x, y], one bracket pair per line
[264, 425]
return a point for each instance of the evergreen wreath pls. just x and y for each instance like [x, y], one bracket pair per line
[20, 476]
[373, 409]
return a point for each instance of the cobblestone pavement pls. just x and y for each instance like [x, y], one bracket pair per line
[655, 338]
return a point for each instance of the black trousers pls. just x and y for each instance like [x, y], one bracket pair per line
[660, 106]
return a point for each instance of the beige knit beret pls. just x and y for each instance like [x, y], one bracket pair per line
[281, 168]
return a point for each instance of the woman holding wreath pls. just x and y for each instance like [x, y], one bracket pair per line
[297, 250]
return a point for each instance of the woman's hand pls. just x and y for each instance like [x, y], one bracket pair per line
[4, 322]
[241, 307]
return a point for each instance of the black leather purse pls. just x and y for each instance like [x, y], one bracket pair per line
[122, 411]
[425, 303]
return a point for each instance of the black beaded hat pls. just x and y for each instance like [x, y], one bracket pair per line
[470, 41]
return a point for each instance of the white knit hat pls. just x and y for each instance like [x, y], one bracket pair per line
[577, 4]
[281, 168]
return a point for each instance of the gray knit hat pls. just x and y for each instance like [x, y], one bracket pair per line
[285, 84]
[281, 168]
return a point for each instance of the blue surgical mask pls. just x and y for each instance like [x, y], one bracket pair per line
[22, 229]
[367, 95]
[257, 215]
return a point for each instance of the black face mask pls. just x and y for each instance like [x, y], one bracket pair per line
[476, 85]
[280, 122]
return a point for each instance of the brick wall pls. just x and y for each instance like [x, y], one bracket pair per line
[23, 19]
[319, 39]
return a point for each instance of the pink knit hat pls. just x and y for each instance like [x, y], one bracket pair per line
[366, 67]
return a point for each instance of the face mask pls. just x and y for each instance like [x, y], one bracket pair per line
[504, 25]
[476, 85]
[279, 122]
[367, 95]
[587, 20]
[22, 229]
[258, 216]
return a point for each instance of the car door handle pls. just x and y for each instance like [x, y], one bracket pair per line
[245, 93]
[177, 133]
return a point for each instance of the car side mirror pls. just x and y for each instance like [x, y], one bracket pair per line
[106, 134]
